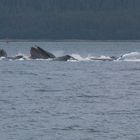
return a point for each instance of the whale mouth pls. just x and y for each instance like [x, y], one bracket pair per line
[39, 53]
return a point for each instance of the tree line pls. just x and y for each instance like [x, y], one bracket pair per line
[70, 19]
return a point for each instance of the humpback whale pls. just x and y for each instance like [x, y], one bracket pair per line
[3, 53]
[38, 53]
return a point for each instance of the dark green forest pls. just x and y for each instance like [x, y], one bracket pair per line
[70, 19]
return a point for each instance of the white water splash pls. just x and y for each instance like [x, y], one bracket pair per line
[80, 58]
[133, 56]
[2, 58]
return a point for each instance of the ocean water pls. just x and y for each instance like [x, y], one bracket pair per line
[82, 100]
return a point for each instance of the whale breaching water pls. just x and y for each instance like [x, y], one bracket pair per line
[111, 58]
[3, 53]
[37, 53]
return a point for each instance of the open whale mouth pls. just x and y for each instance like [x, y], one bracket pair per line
[37, 52]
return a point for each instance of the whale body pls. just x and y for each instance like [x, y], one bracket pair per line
[64, 58]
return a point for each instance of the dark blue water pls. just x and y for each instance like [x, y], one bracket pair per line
[84, 100]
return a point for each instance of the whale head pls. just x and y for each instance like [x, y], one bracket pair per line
[3, 53]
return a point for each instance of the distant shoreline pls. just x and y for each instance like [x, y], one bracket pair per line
[65, 40]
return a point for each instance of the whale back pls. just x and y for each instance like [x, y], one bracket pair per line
[64, 58]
